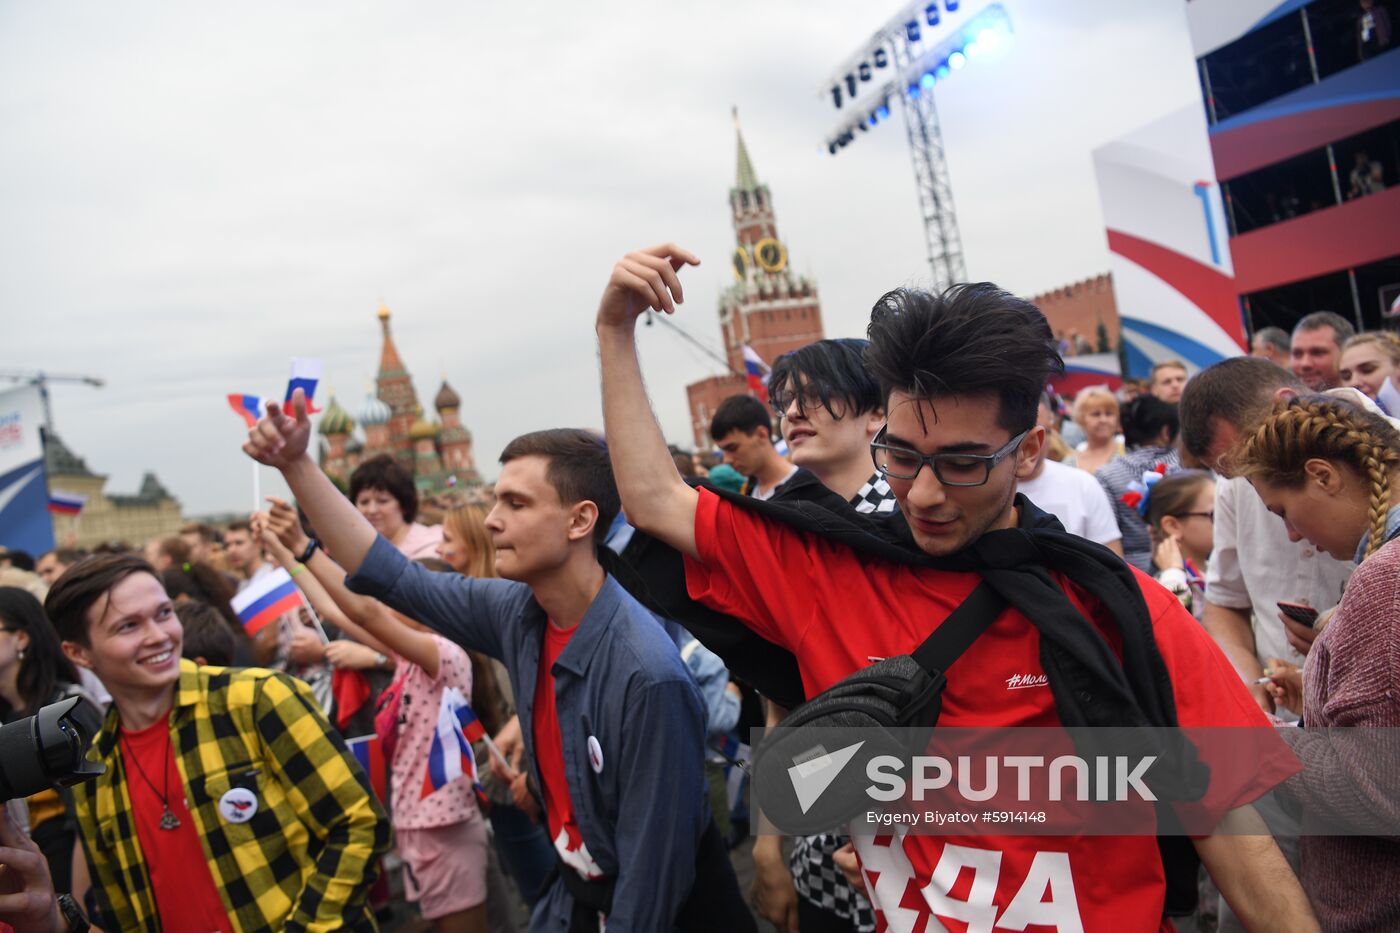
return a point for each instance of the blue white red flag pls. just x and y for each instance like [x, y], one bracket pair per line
[66, 503]
[265, 599]
[305, 374]
[369, 752]
[248, 407]
[451, 756]
[756, 371]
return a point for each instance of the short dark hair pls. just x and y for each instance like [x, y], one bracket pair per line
[833, 369]
[20, 560]
[1276, 336]
[1342, 329]
[67, 556]
[971, 339]
[1144, 418]
[385, 473]
[84, 584]
[207, 634]
[45, 667]
[241, 525]
[740, 413]
[579, 469]
[1237, 391]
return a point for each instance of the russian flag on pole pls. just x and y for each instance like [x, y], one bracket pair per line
[248, 407]
[66, 503]
[450, 756]
[305, 374]
[756, 371]
[369, 752]
[265, 599]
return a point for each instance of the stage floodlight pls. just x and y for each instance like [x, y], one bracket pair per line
[850, 85]
[911, 30]
[928, 80]
[882, 58]
[874, 118]
[831, 148]
[972, 49]
[952, 5]
[913, 91]
[989, 39]
[956, 60]
[836, 95]
[931, 14]
[883, 111]
[942, 71]
[865, 71]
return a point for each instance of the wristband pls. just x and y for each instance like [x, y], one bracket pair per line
[77, 923]
[311, 547]
[296, 569]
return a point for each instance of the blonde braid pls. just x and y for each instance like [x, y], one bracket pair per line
[1300, 429]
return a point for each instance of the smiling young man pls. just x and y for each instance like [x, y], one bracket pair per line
[612, 721]
[960, 373]
[1316, 349]
[228, 803]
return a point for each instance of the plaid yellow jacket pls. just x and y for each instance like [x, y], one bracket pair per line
[306, 859]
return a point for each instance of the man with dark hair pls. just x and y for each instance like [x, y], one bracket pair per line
[1150, 427]
[1254, 565]
[208, 641]
[1316, 349]
[228, 802]
[244, 552]
[612, 721]
[51, 564]
[743, 429]
[20, 560]
[961, 374]
[1272, 344]
[1166, 380]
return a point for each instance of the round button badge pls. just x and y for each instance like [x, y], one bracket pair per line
[238, 804]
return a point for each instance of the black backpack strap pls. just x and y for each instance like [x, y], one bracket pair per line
[957, 632]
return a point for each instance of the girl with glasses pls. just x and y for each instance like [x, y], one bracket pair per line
[1180, 513]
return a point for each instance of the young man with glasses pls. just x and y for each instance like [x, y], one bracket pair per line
[960, 373]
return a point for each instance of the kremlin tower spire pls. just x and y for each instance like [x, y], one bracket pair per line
[395, 389]
[768, 307]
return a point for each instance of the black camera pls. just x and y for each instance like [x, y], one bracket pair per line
[49, 748]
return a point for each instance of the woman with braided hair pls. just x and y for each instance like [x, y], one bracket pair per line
[1328, 469]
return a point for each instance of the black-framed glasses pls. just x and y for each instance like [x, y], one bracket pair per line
[902, 463]
[1209, 515]
[808, 398]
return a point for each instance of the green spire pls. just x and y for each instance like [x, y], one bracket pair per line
[745, 179]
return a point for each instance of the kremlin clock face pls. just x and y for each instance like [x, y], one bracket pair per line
[741, 263]
[770, 255]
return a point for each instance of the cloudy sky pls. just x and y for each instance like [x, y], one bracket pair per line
[191, 194]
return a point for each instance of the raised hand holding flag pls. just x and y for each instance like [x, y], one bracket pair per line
[306, 373]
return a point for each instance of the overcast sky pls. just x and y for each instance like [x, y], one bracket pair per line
[191, 194]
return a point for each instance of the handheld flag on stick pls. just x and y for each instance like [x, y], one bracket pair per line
[369, 752]
[66, 503]
[265, 599]
[248, 407]
[756, 371]
[451, 756]
[305, 374]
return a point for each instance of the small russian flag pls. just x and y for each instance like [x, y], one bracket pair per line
[756, 371]
[369, 752]
[248, 407]
[66, 503]
[265, 599]
[305, 374]
[451, 756]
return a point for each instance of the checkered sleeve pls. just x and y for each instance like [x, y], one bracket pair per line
[324, 787]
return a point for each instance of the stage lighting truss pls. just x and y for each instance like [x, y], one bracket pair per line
[918, 69]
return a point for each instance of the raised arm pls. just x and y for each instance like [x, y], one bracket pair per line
[281, 440]
[654, 496]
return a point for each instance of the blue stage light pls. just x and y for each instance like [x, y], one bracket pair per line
[989, 39]
[942, 71]
[952, 5]
[931, 14]
[972, 49]
[914, 91]
[911, 30]
[928, 80]
[957, 60]
[883, 111]
[874, 118]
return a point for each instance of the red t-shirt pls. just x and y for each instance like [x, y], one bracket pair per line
[838, 612]
[186, 898]
[549, 755]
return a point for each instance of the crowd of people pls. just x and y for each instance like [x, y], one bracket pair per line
[542, 704]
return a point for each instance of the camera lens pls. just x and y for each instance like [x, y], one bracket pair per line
[48, 748]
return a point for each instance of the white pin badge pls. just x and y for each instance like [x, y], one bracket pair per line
[595, 754]
[238, 804]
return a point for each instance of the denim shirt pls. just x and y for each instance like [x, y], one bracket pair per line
[620, 680]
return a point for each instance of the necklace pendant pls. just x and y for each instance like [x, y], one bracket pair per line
[169, 820]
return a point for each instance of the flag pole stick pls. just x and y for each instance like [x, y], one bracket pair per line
[315, 620]
[257, 487]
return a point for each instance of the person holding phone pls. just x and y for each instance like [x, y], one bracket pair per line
[1327, 468]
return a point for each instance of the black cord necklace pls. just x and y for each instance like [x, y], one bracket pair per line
[168, 820]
